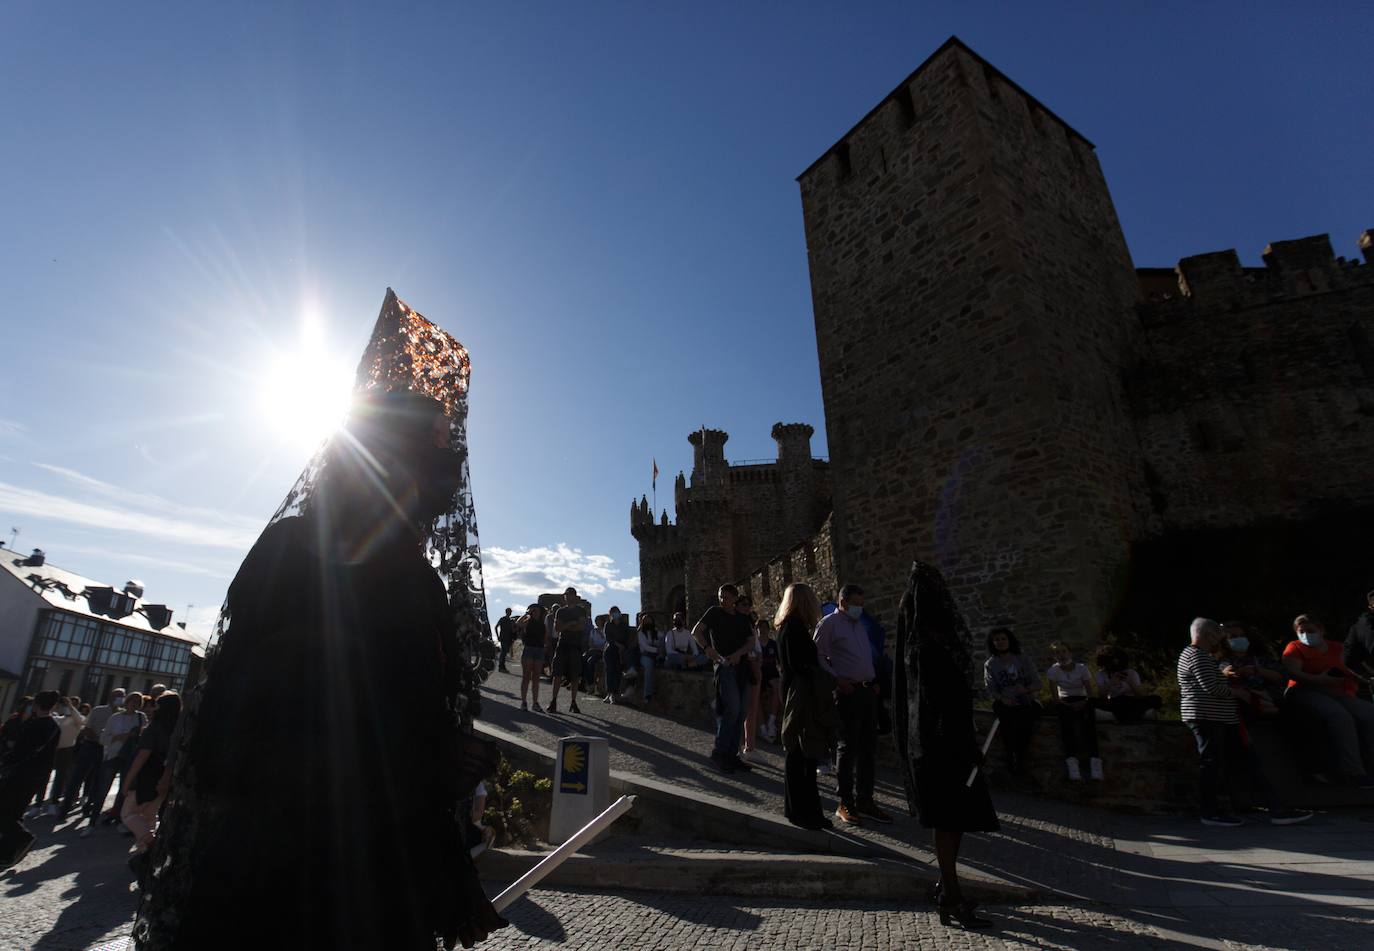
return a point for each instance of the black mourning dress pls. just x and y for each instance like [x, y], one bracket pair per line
[325, 808]
[934, 710]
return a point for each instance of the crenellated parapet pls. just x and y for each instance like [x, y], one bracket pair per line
[1212, 283]
[728, 518]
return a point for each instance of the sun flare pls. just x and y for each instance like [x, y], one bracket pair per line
[305, 392]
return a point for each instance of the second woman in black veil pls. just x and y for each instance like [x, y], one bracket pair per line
[935, 732]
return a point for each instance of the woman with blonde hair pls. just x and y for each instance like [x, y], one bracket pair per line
[808, 719]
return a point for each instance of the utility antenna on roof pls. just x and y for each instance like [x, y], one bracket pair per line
[14, 536]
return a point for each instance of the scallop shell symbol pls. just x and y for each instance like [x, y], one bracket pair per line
[574, 759]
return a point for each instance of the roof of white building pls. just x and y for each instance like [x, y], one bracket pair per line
[72, 592]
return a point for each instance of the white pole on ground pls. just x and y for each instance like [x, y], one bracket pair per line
[559, 855]
[987, 745]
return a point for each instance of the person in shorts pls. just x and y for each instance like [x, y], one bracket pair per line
[531, 631]
[570, 622]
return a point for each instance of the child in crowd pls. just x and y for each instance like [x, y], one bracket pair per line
[1012, 682]
[1119, 690]
[1073, 687]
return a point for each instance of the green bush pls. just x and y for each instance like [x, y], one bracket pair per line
[518, 804]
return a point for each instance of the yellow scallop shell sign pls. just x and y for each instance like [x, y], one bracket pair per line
[574, 775]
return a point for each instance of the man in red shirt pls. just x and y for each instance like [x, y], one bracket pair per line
[1321, 689]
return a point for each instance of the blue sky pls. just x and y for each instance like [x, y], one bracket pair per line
[597, 199]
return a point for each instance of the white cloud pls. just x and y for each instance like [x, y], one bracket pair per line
[529, 572]
[170, 564]
[10, 427]
[139, 514]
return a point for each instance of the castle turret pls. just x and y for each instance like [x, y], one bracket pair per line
[709, 470]
[797, 476]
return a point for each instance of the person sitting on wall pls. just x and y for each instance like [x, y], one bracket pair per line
[1073, 688]
[1119, 690]
[1247, 661]
[681, 650]
[1012, 682]
[1321, 690]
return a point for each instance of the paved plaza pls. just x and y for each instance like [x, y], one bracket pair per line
[1105, 880]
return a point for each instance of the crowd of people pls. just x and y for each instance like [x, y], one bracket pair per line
[566, 647]
[60, 756]
[1229, 679]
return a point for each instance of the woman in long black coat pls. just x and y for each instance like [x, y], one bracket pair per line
[935, 733]
[808, 711]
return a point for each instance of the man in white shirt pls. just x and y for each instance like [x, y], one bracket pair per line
[119, 738]
[89, 751]
[682, 650]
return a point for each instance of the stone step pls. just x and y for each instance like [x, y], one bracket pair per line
[696, 871]
[664, 812]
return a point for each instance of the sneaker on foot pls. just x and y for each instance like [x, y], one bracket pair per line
[870, 810]
[846, 815]
[1095, 768]
[1223, 819]
[1074, 772]
[1288, 817]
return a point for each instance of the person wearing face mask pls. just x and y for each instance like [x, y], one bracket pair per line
[845, 653]
[1247, 661]
[1321, 693]
[1208, 707]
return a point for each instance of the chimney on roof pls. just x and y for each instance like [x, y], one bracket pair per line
[36, 559]
[133, 588]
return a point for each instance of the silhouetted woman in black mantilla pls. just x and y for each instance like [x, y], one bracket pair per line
[316, 804]
[935, 734]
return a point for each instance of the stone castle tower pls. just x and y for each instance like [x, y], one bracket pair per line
[730, 519]
[972, 294]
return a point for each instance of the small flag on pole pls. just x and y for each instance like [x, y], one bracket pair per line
[655, 480]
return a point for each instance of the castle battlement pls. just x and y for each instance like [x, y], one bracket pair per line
[1215, 282]
[729, 518]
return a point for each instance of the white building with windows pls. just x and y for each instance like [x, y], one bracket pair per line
[61, 631]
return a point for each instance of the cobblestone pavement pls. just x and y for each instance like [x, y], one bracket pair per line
[574, 921]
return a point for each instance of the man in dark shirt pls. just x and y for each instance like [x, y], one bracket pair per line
[1359, 641]
[505, 636]
[26, 764]
[725, 635]
[571, 624]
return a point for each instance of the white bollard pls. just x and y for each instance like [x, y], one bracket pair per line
[581, 785]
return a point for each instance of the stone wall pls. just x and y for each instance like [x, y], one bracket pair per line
[1253, 389]
[973, 300]
[811, 562]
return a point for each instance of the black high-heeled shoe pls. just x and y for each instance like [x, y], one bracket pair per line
[965, 912]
